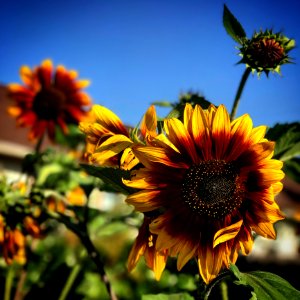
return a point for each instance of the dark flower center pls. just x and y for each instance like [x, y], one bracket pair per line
[266, 53]
[48, 103]
[212, 188]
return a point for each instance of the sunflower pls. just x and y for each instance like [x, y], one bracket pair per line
[109, 141]
[213, 183]
[144, 245]
[266, 51]
[48, 98]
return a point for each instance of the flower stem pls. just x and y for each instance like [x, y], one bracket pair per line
[68, 285]
[97, 259]
[211, 285]
[82, 233]
[224, 290]
[20, 294]
[39, 144]
[239, 93]
[8, 282]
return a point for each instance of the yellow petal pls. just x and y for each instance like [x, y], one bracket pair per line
[187, 252]
[14, 111]
[181, 138]
[277, 187]
[267, 177]
[245, 241]
[241, 129]
[257, 134]
[108, 119]
[149, 122]
[227, 233]
[26, 75]
[145, 200]
[47, 63]
[265, 229]
[187, 117]
[73, 74]
[209, 262]
[128, 160]
[111, 147]
[159, 263]
[221, 131]
[199, 124]
[83, 83]
[150, 155]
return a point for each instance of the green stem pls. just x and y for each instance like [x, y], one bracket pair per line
[224, 290]
[239, 93]
[8, 282]
[39, 144]
[82, 232]
[216, 281]
[68, 285]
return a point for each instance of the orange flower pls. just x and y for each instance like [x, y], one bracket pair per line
[48, 98]
[14, 246]
[214, 182]
[76, 196]
[144, 245]
[109, 141]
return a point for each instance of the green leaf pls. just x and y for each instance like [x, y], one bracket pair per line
[287, 138]
[179, 296]
[233, 26]
[163, 103]
[111, 176]
[265, 285]
[292, 169]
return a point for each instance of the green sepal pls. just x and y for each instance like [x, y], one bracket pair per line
[233, 26]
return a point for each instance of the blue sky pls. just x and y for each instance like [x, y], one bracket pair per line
[137, 52]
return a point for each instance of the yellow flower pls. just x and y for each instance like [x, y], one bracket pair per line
[144, 245]
[76, 196]
[109, 141]
[48, 98]
[213, 182]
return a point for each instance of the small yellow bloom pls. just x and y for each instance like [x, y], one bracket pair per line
[109, 141]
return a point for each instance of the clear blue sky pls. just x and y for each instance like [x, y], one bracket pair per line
[136, 52]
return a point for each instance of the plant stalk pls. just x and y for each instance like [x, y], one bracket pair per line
[9, 282]
[239, 93]
[68, 285]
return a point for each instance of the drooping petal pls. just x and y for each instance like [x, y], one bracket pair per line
[209, 262]
[150, 155]
[227, 233]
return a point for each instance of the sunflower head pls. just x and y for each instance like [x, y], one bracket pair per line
[210, 183]
[266, 51]
[48, 98]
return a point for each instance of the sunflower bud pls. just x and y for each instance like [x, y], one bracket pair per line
[266, 51]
